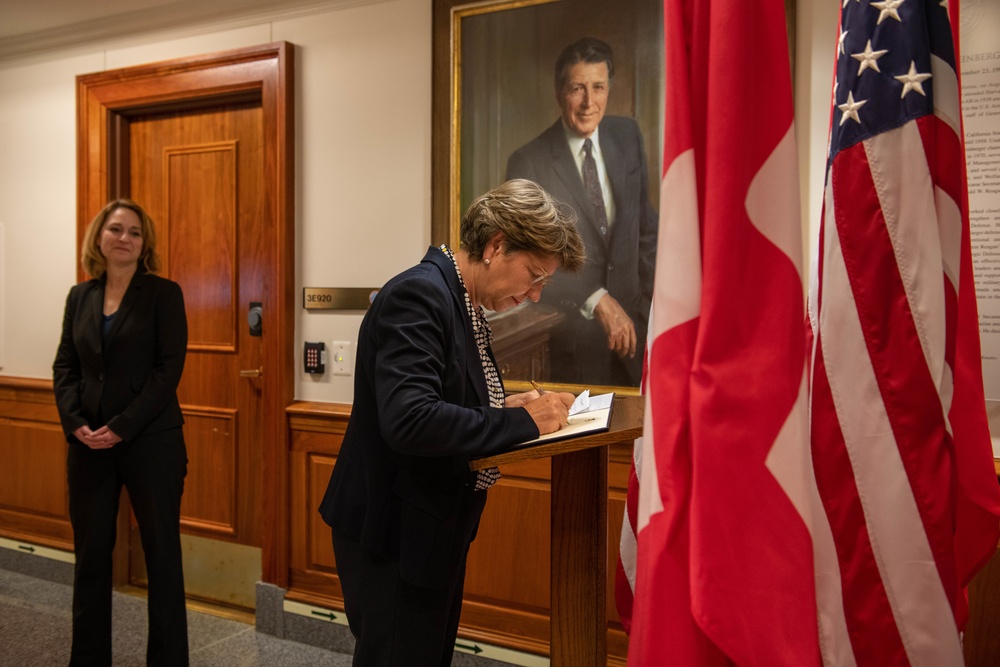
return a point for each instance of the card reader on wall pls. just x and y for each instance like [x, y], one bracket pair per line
[314, 357]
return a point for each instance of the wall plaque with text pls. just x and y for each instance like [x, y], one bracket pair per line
[338, 298]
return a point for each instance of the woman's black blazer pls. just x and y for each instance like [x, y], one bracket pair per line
[401, 486]
[128, 382]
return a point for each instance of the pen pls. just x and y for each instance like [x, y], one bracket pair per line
[537, 388]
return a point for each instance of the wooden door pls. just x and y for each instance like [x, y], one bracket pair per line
[204, 144]
[198, 172]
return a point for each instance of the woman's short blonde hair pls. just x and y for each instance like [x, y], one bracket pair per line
[530, 219]
[91, 257]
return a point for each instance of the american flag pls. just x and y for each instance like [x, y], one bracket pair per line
[723, 563]
[901, 448]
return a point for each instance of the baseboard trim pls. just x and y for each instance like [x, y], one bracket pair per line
[327, 628]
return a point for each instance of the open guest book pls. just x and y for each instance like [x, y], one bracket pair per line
[588, 414]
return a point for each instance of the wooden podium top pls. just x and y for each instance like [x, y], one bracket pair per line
[626, 424]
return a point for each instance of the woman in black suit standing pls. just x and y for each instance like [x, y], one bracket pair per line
[116, 373]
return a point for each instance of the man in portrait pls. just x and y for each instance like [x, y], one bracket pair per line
[597, 165]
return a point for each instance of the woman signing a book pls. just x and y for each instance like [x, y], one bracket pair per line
[402, 503]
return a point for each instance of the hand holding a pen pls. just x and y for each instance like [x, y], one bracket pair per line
[522, 399]
[549, 409]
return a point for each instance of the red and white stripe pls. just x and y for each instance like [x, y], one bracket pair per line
[898, 419]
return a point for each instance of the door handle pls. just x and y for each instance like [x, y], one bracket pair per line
[252, 373]
[255, 318]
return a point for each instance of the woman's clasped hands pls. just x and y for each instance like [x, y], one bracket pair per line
[102, 438]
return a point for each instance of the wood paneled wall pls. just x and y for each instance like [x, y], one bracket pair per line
[507, 583]
[34, 504]
[506, 601]
[982, 633]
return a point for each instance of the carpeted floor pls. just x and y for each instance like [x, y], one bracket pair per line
[35, 632]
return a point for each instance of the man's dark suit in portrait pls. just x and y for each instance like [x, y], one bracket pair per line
[597, 165]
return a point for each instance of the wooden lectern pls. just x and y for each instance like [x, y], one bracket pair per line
[579, 567]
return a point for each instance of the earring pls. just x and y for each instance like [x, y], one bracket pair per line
[487, 260]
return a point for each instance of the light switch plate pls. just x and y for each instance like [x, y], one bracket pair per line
[341, 358]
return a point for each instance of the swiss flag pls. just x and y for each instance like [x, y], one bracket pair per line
[724, 568]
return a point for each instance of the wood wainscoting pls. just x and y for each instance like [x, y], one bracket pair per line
[506, 599]
[34, 499]
[981, 642]
[507, 583]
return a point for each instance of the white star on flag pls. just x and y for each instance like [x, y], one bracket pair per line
[850, 108]
[868, 58]
[912, 81]
[888, 8]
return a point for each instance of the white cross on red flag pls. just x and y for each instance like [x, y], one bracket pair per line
[724, 562]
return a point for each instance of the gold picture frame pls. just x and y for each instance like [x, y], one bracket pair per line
[493, 91]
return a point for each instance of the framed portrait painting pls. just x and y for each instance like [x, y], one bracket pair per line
[498, 93]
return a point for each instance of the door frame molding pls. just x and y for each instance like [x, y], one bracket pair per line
[105, 102]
